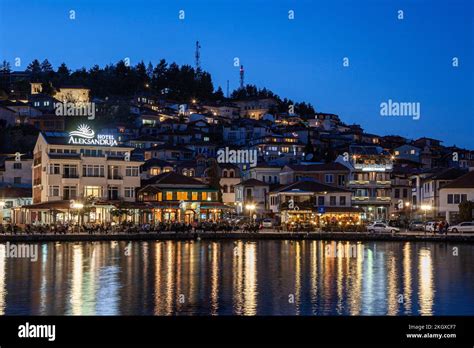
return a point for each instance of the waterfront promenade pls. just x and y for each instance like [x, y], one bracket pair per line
[265, 234]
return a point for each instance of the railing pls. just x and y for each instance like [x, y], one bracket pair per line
[71, 176]
[115, 177]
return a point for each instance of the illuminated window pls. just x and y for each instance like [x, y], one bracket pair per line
[194, 196]
[397, 153]
[285, 149]
[169, 196]
[94, 191]
[183, 196]
[155, 171]
[204, 196]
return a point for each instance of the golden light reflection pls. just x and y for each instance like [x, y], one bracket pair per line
[237, 271]
[158, 297]
[298, 277]
[355, 292]
[3, 290]
[393, 293]
[75, 297]
[407, 278]
[250, 276]
[215, 278]
[314, 275]
[425, 282]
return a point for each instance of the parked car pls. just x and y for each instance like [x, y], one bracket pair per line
[462, 227]
[382, 228]
[267, 223]
[416, 226]
[430, 225]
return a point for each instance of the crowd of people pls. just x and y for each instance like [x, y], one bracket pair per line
[129, 228]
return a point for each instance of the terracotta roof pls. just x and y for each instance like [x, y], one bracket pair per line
[172, 178]
[318, 167]
[310, 186]
[465, 181]
[14, 192]
[252, 182]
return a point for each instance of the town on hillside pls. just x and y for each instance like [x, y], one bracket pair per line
[159, 144]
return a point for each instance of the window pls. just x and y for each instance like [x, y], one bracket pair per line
[183, 196]
[155, 171]
[92, 191]
[17, 180]
[129, 192]
[194, 196]
[113, 193]
[131, 171]
[204, 196]
[342, 200]
[397, 193]
[53, 191]
[412, 152]
[321, 200]
[17, 165]
[224, 189]
[263, 178]
[463, 198]
[70, 171]
[69, 192]
[169, 196]
[224, 174]
[450, 199]
[231, 173]
[329, 178]
[456, 199]
[332, 200]
[405, 193]
[231, 188]
[341, 180]
[93, 170]
[54, 169]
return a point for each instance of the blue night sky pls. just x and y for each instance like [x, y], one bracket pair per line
[405, 60]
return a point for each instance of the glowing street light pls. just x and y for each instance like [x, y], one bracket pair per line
[425, 208]
[250, 207]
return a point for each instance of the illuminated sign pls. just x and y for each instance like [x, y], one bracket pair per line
[84, 135]
[373, 167]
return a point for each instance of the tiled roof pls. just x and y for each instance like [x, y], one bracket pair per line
[465, 181]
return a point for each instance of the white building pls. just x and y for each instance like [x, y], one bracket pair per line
[17, 171]
[454, 193]
[82, 166]
[251, 193]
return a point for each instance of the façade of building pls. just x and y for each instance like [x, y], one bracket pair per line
[80, 170]
[173, 197]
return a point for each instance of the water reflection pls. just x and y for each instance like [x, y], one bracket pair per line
[239, 278]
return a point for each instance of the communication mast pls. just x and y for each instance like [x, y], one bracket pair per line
[241, 77]
[197, 56]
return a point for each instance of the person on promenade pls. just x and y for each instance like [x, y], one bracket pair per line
[441, 227]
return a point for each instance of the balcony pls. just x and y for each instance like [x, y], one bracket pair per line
[371, 200]
[115, 177]
[370, 183]
[71, 176]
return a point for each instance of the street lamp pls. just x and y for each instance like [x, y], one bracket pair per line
[250, 207]
[425, 208]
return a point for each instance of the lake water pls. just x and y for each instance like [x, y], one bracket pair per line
[238, 278]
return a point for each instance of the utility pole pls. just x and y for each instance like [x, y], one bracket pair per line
[242, 77]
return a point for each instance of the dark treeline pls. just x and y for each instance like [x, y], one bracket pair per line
[179, 83]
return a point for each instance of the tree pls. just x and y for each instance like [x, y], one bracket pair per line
[46, 67]
[219, 94]
[63, 73]
[5, 67]
[34, 68]
[466, 210]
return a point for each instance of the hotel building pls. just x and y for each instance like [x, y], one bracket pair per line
[81, 166]
[370, 182]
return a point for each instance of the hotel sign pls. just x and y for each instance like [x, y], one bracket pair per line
[373, 167]
[85, 135]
